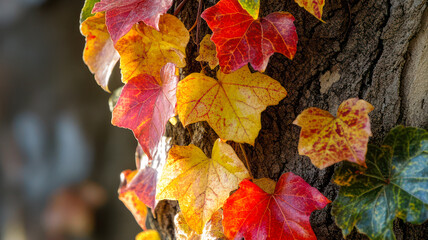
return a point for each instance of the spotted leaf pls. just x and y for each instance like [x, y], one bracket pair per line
[327, 140]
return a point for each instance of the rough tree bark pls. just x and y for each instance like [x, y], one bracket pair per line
[376, 50]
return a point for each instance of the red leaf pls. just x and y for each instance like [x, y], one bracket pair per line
[145, 106]
[143, 184]
[240, 39]
[121, 15]
[252, 213]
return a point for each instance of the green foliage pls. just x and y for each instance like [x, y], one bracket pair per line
[394, 185]
[87, 9]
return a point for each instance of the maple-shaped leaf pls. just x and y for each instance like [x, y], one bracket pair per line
[251, 6]
[252, 213]
[207, 52]
[99, 54]
[213, 230]
[200, 184]
[87, 10]
[145, 105]
[327, 140]
[240, 38]
[131, 200]
[232, 105]
[145, 51]
[394, 184]
[312, 6]
[148, 235]
[121, 15]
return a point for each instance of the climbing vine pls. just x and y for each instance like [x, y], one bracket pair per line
[378, 184]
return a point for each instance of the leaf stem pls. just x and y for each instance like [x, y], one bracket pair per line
[180, 6]
[246, 160]
[198, 23]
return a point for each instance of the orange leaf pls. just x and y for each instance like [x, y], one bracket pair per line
[143, 50]
[145, 105]
[99, 54]
[212, 230]
[253, 214]
[200, 184]
[207, 52]
[312, 6]
[148, 235]
[231, 105]
[131, 200]
[327, 140]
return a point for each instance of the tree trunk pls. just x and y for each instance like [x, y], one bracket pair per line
[376, 50]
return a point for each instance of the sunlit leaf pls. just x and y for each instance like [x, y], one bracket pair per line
[207, 52]
[327, 140]
[232, 105]
[240, 39]
[394, 185]
[121, 15]
[253, 214]
[99, 54]
[145, 105]
[312, 6]
[200, 184]
[148, 235]
[145, 51]
[213, 230]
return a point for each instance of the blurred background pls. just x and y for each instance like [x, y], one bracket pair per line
[60, 158]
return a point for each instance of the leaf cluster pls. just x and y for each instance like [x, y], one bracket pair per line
[378, 184]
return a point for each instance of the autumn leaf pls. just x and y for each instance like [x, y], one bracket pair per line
[240, 38]
[327, 140]
[145, 105]
[312, 6]
[213, 230]
[207, 52]
[251, 6]
[121, 15]
[251, 213]
[148, 235]
[131, 200]
[99, 54]
[145, 51]
[200, 184]
[231, 105]
[393, 185]
[87, 10]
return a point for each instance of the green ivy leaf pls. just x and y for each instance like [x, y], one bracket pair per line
[87, 9]
[395, 184]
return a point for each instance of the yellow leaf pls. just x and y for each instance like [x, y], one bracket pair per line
[99, 54]
[232, 105]
[327, 140]
[131, 200]
[207, 52]
[312, 6]
[200, 184]
[213, 230]
[143, 50]
[148, 235]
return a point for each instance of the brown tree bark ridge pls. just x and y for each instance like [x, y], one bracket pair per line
[376, 50]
